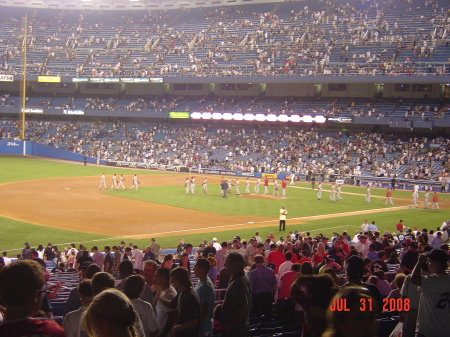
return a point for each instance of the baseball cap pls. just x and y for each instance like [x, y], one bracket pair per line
[237, 237]
[386, 233]
[214, 239]
[49, 244]
[26, 243]
[122, 242]
[298, 242]
[413, 245]
[438, 255]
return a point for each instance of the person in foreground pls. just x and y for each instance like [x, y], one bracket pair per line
[100, 320]
[356, 320]
[434, 306]
[21, 292]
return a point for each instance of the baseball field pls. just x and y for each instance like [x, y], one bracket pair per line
[59, 202]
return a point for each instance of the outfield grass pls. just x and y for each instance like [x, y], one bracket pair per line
[301, 202]
[23, 168]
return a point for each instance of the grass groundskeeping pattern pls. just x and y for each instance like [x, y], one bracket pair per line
[305, 212]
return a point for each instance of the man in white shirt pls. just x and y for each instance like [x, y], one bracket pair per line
[165, 310]
[362, 246]
[6, 260]
[137, 258]
[364, 226]
[72, 321]
[134, 287]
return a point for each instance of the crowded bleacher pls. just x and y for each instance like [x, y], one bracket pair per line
[382, 263]
[363, 38]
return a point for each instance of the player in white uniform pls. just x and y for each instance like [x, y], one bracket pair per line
[319, 191]
[426, 198]
[205, 185]
[193, 185]
[135, 183]
[114, 181]
[187, 185]
[258, 182]
[333, 192]
[121, 180]
[339, 190]
[275, 188]
[414, 197]
[102, 182]
[368, 194]
[292, 179]
[247, 186]
[236, 186]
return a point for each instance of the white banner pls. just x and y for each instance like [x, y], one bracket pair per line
[6, 78]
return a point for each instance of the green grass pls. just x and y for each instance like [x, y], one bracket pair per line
[300, 203]
[22, 168]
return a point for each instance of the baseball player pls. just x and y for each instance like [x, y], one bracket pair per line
[102, 182]
[275, 188]
[283, 188]
[319, 191]
[292, 179]
[247, 186]
[388, 197]
[187, 185]
[258, 182]
[236, 186]
[193, 184]
[415, 195]
[339, 190]
[114, 182]
[121, 180]
[229, 185]
[135, 183]
[435, 201]
[266, 186]
[205, 186]
[426, 198]
[333, 192]
[368, 194]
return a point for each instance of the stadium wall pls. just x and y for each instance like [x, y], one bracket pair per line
[24, 148]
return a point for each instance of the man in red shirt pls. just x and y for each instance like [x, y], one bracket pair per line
[266, 186]
[435, 201]
[21, 291]
[277, 257]
[400, 226]
[283, 188]
[388, 197]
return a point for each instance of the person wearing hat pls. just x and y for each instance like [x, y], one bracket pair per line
[187, 185]
[25, 254]
[192, 185]
[388, 197]
[434, 308]
[205, 185]
[49, 254]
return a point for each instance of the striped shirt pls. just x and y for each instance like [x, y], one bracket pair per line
[434, 307]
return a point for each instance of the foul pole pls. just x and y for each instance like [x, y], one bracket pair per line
[23, 87]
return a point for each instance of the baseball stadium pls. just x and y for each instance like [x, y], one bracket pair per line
[195, 122]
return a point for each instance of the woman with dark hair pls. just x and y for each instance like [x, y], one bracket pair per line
[85, 256]
[188, 306]
[168, 262]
